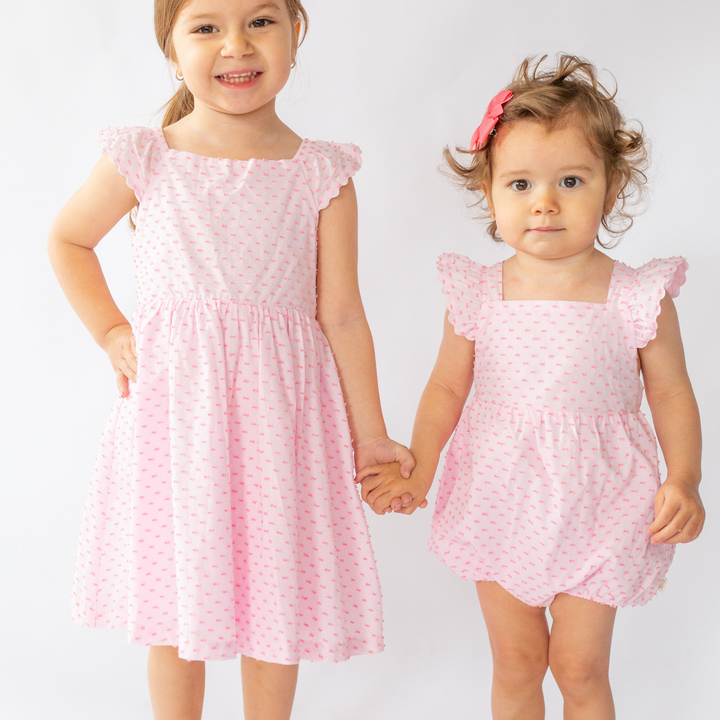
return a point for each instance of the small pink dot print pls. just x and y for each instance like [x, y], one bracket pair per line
[550, 478]
[222, 516]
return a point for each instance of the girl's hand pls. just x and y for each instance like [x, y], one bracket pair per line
[119, 344]
[679, 513]
[384, 450]
[384, 485]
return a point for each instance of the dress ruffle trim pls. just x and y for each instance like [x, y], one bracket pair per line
[346, 160]
[118, 144]
[651, 282]
[461, 280]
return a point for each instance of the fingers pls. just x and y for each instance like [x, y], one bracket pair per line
[406, 460]
[414, 505]
[387, 496]
[369, 484]
[660, 520]
[122, 349]
[128, 367]
[674, 525]
[367, 471]
[681, 529]
[122, 383]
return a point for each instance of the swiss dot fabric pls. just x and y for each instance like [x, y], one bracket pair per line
[222, 516]
[550, 478]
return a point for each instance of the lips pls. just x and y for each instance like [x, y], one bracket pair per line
[239, 77]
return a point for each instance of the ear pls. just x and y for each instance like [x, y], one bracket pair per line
[488, 197]
[296, 38]
[611, 195]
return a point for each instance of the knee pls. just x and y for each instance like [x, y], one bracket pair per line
[579, 676]
[519, 666]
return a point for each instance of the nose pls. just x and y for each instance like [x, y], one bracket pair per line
[544, 202]
[237, 45]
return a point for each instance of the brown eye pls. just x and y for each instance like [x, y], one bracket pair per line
[520, 185]
[570, 182]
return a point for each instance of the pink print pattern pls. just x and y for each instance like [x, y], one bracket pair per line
[549, 481]
[222, 517]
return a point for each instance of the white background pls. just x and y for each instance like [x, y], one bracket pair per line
[401, 78]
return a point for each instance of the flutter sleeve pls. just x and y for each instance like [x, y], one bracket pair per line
[648, 288]
[462, 283]
[328, 166]
[129, 148]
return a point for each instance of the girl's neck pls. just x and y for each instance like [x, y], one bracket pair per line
[260, 134]
[584, 277]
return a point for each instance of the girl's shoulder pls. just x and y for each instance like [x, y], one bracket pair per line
[461, 274]
[135, 151]
[467, 285]
[122, 140]
[641, 289]
[328, 166]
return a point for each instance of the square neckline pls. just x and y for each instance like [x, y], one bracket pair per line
[167, 148]
[499, 280]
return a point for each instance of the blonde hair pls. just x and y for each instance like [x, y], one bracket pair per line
[564, 93]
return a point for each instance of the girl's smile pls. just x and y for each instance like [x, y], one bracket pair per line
[234, 55]
[238, 79]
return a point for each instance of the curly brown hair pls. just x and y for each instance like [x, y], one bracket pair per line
[567, 92]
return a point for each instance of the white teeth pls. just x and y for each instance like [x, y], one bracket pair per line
[239, 77]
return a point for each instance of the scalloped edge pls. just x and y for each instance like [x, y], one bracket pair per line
[674, 278]
[454, 312]
[113, 158]
[344, 179]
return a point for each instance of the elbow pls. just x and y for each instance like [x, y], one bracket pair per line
[338, 318]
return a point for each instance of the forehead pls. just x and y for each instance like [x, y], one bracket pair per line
[194, 8]
[526, 143]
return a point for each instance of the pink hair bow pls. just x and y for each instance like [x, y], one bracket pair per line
[494, 111]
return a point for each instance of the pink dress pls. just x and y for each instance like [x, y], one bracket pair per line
[550, 479]
[222, 517]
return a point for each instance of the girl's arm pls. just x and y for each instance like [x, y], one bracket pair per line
[438, 414]
[679, 513]
[341, 315]
[87, 217]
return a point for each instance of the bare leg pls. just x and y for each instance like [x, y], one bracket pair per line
[268, 689]
[518, 637]
[177, 687]
[580, 656]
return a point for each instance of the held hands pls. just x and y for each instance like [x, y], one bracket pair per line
[679, 513]
[120, 346]
[385, 488]
[378, 452]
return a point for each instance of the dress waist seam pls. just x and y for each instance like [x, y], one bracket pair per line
[209, 300]
[478, 400]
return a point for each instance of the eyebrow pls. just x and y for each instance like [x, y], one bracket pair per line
[210, 16]
[569, 168]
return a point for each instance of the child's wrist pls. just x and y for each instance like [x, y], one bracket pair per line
[688, 479]
[370, 439]
[423, 475]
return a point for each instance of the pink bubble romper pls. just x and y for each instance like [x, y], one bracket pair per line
[222, 517]
[550, 479]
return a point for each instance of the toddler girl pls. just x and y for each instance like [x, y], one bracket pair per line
[222, 518]
[550, 496]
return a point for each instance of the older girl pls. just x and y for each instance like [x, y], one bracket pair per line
[222, 518]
